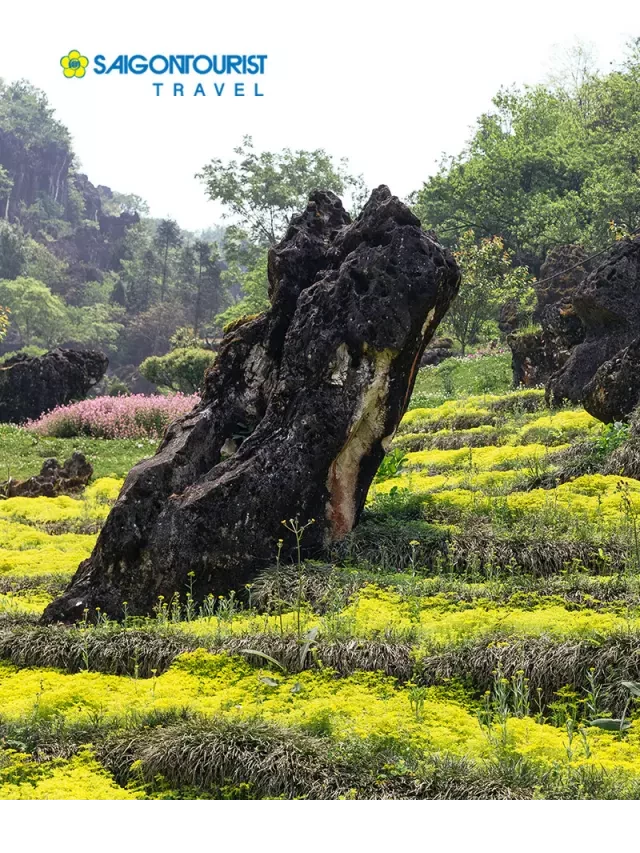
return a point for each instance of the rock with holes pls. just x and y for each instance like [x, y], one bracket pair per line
[607, 303]
[54, 479]
[614, 391]
[31, 386]
[295, 418]
[537, 354]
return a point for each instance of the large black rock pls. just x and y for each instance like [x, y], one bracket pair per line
[608, 304]
[31, 386]
[614, 391]
[536, 355]
[296, 415]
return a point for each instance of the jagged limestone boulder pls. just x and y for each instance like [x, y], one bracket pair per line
[53, 480]
[295, 418]
[608, 305]
[31, 386]
[537, 354]
[614, 391]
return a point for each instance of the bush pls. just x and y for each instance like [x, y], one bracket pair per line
[179, 370]
[136, 416]
[31, 352]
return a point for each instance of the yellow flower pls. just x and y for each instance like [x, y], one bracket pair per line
[74, 65]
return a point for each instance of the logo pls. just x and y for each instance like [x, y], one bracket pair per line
[74, 64]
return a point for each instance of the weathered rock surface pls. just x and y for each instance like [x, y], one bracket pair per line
[564, 268]
[31, 386]
[614, 391]
[608, 304]
[54, 479]
[305, 398]
[510, 317]
[438, 350]
[537, 355]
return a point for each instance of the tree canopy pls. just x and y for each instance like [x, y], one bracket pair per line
[547, 165]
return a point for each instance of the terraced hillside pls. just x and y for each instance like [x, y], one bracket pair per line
[460, 643]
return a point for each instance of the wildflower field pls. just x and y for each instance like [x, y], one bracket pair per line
[476, 636]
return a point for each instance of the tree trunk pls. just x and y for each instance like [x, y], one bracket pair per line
[317, 384]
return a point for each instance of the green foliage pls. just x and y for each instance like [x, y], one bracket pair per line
[254, 285]
[43, 265]
[456, 377]
[200, 282]
[22, 453]
[31, 352]
[181, 369]
[548, 165]
[42, 318]
[167, 237]
[37, 314]
[488, 280]
[5, 319]
[12, 250]
[262, 191]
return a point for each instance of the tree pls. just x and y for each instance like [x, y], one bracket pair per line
[5, 320]
[262, 191]
[488, 280]
[149, 333]
[118, 203]
[167, 237]
[546, 166]
[35, 148]
[182, 369]
[38, 315]
[254, 284]
[6, 185]
[12, 250]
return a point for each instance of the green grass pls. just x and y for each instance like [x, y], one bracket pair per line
[456, 377]
[22, 453]
[457, 644]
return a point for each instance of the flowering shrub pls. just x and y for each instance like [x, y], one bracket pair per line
[136, 416]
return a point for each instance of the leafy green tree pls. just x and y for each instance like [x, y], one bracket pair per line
[547, 165]
[488, 280]
[5, 320]
[6, 185]
[43, 265]
[95, 326]
[38, 315]
[255, 286]
[149, 332]
[181, 369]
[167, 237]
[35, 148]
[262, 191]
[12, 250]
[118, 203]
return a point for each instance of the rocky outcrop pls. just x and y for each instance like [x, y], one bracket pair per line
[536, 355]
[614, 391]
[438, 350]
[608, 304]
[31, 386]
[296, 415]
[54, 479]
[564, 268]
[510, 317]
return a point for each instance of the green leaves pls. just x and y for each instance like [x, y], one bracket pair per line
[264, 190]
[545, 166]
[265, 656]
[611, 725]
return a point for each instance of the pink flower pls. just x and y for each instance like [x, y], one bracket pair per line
[136, 416]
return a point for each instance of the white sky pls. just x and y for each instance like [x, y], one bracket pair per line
[390, 86]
